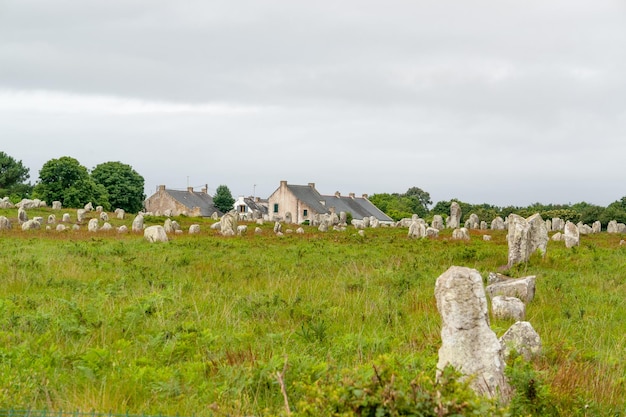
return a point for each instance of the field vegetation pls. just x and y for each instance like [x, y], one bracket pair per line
[313, 324]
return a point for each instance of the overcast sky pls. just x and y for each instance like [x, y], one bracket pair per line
[496, 101]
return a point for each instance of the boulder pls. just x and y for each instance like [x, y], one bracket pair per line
[454, 221]
[522, 338]
[468, 343]
[56, 205]
[438, 222]
[155, 234]
[242, 229]
[122, 229]
[5, 223]
[92, 226]
[503, 307]
[66, 218]
[460, 234]
[417, 230]
[228, 224]
[31, 225]
[525, 237]
[522, 288]
[61, 228]
[194, 229]
[52, 219]
[120, 213]
[571, 235]
[106, 227]
[104, 216]
[22, 217]
[137, 225]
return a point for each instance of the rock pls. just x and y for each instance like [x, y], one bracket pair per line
[454, 221]
[104, 216]
[137, 225]
[120, 213]
[288, 217]
[366, 222]
[361, 233]
[432, 232]
[99, 209]
[438, 222]
[122, 229]
[92, 226]
[612, 227]
[66, 218]
[323, 227]
[22, 217]
[106, 227]
[460, 234]
[468, 343]
[52, 219]
[258, 230]
[75, 227]
[596, 227]
[300, 231]
[56, 205]
[167, 225]
[61, 228]
[194, 229]
[80, 215]
[417, 230]
[571, 235]
[28, 204]
[522, 338]
[473, 222]
[486, 237]
[5, 223]
[5, 203]
[503, 307]
[522, 288]
[31, 225]
[374, 222]
[216, 226]
[557, 237]
[584, 229]
[155, 234]
[88, 207]
[228, 224]
[525, 237]
[242, 229]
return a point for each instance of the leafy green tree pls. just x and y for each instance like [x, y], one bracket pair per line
[223, 199]
[67, 181]
[12, 176]
[420, 196]
[123, 184]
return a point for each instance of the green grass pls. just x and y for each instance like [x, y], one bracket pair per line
[201, 324]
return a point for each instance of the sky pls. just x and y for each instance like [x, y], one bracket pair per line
[487, 101]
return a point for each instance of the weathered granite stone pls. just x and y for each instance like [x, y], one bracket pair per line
[454, 221]
[137, 225]
[258, 230]
[155, 234]
[106, 227]
[288, 217]
[557, 237]
[486, 237]
[572, 235]
[5, 223]
[438, 222]
[242, 229]
[612, 227]
[497, 223]
[120, 213]
[22, 217]
[92, 226]
[61, 227]
[460, 234]
[122, 229]
[167, 225]
[194, 229]
[503, 307]
[52, 219]
[522, 288]
[56, 205]
[31, 225]
[66, 218]
[88, 207]
[525, 237]
[104, 216]
[522, 338]
[417, 230]
[228, 224]
[432, 232]
[300, 231]
[80, 215]
[596, 227]
[468, 343]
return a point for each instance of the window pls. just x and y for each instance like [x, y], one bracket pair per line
[305, 213]
[275, 208]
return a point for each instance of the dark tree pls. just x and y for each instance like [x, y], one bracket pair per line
[67, 181]
[421, 197]
[223, 199]
[123, 184]
[12, 175]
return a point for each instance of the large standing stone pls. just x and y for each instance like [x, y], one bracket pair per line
[468, 343]
[228, 224]
[120, 213]
[104, 216]
[31, 225]
[525, 237]
[522, 338]
[572, 235]
[438, 222]
[473, 222]
[454, 221]
[137, 225]
[596, 227]
[497, 223]
[56, 205]
[167, 225]
[612, 227]
[417, 230]
[80, 215]
[92, 226]
[155, 234]
[66, 218]
[52, 219]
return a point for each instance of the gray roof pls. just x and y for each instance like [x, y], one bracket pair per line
[253, 205]
[310, 196]
[359, 207]
[192, 200]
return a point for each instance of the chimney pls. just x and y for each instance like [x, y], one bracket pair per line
[351, 195]
[337, 194]
[190, 189]
[161, 187]
[364, 196]
[204, 190]
[312, 185]
[283, 184]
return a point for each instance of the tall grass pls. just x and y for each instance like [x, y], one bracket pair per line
[202, 324]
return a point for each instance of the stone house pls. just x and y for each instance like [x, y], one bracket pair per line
[178, 202]
[304, 202]
[249, 205]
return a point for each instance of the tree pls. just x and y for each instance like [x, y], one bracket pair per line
[123, 185]
[67, 181]
[420, 196]
[223, 199]
[12, 175]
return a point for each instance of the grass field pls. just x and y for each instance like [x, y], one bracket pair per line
[202, 324]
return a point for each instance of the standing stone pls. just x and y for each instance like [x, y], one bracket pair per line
[343, 218]
[460, 234]
[548, 225]
[557, 224]
[137, 225]
[228, 224]
[525, 237]
[522, 338]
[417, 230]
[374, 222]
[366, 222]
[242, 229]
[31, 225]
[176, 227]
[438, 222]
[486, 238]
[497, 223]
[323, 227]
[300, 231]
[167, 225]
[155, 234]
[88, 207]
[504, 307]
[278, 227]
[106, 227]
[194, 229]
[80, 215]
[92, 226]
[52, 219]
[468, 343]
[612, 227]
[557, 237]
[22, 217]
[288, 217]
[474, 221]
[56, 205]
[596, 227]
[75, 227]
[5, 223]
[122, 229]
[483, 225]
[120, 213]
[61, 228]
[432, 232]
[99, 209]
[572, 235]
[5, 203]
[258, 230]
[66, 218]
[454, 221]
[104, 216]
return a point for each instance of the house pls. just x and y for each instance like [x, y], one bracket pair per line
[247, 206]
[177, 202]
[304, 202]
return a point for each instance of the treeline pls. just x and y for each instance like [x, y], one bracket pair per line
[417, 201]
[110, 184]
